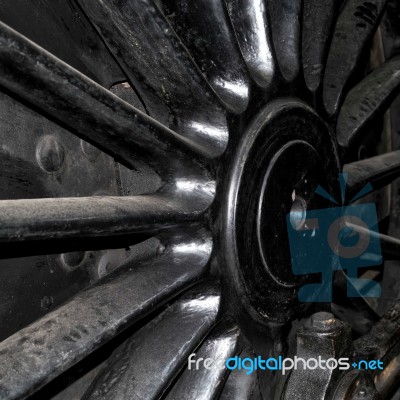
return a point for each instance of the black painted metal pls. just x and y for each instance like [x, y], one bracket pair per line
[164, 78]
[379, 171]
[240, 385]
[46, 348]
[126, 373]
[205, 383]
[357, 311]
[324, 336]
[390, 246]
[61, 28]
[184, 63]
[383, 343]
[318, 18]
[286, 142]
[251, 25]
[353, 31]
[46, 219]
[285, 18]
[219, 60]
[368, 101]
[86, 107]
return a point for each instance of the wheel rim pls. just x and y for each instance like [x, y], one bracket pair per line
[209, 209]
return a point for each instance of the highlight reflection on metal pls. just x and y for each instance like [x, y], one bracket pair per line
[204, 384]
[206, 140]
[249, 19]
[64, 336]
[195, 314]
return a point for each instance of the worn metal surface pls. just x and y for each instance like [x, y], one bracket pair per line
[251, 25]
[35, 284]
[382, 343]
[285, 17]
[170, 124]
[354, 28]
[205, 383]
[240, 385]
[65, 218]
[38, 353]
[367, 101]
[90, 110]
[126, 375]
[379, 171]
[318, 18]
[219, 60]
[31, 286]
[163, 79]
[62, 28]
[356, 385]
[322, 336]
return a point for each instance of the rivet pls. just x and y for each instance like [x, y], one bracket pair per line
[50, 153]
[89, 151]
[73, 259]
[160, 249]
[46, 302]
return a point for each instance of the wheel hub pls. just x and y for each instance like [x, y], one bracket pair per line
[284, 154]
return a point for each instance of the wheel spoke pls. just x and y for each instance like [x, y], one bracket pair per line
[379, 171]
[285, 18]
[84, 217]
[239, 385]
[171, 86]
[202, 383]
[63, 30]
[217, 53]
[250, 22]
[355, 310]
[318, 17]
[368, 100]
[49, 346]
[354, 28]
[145, 365]
[91, 111]
[390, 246]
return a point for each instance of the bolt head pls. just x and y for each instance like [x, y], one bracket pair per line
[323, 321]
